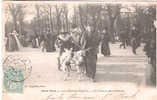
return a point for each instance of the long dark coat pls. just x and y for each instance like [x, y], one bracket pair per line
[90, 42]
[105, 49]
[12, 43]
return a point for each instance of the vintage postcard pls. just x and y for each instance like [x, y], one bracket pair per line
[79, 51]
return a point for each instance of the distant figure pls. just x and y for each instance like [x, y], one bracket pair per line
[123, 37]
[6, 43]
[13, 42]
[49, 42]
[135, 42]
[105, 48]
[54, 37]
[43, 46]
[22, 38]
[42, 41]
[35, 41]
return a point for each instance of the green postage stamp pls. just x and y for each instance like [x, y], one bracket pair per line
[16, 70]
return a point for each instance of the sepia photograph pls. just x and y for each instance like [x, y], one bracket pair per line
[72, 44]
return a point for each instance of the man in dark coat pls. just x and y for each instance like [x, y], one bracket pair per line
[50, 41]
[90, 41]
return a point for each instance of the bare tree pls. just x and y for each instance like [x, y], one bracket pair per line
[95, 13]
[59, 11]
[81, 17]
[21, 23]
[51, 19]
[113, 13]
[37, 7]
[17, 13]
[65, 12]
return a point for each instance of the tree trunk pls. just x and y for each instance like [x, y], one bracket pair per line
[51, 22]
[15, 23]
[81, 18]
[67, 25]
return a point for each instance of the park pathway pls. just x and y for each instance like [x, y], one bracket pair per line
[121, 66]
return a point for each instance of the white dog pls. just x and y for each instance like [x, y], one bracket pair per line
[65, 61]
[80, 63]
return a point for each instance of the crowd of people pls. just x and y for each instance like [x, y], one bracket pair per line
[81, 40]
[46, 41]
[89, 41]
[130, 38]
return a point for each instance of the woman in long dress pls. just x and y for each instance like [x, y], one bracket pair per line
[105, 48]
[12, 43]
